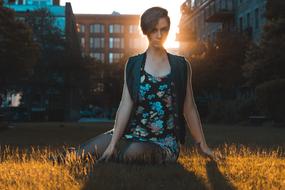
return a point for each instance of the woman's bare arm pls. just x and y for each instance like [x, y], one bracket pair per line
[193, 119]
[123, 113]
[191, 113]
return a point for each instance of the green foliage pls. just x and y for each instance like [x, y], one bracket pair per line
[218, 68]
[18, 52]
[275, 9]
[265, 61]
[231, 111]
[48, 37]
[264, 68]
[105, 84]
[270, 99]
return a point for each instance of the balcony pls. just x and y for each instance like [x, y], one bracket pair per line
[219, 11]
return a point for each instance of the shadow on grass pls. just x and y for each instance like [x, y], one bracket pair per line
[216, 178]
[151, 177]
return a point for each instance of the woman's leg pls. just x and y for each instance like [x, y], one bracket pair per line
[95, 146]
[143, 152]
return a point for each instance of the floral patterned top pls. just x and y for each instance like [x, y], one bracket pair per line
[153, 120]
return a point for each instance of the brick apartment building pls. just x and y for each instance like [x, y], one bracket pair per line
[108, 37]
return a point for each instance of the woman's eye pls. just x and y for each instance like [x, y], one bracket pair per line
[154, 30]
[164, 30]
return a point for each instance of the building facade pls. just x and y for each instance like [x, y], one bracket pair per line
[23, 6]
[250, 17]
[203, 20]
[110, 37]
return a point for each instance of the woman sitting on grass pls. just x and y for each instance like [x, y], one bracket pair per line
[157, 99]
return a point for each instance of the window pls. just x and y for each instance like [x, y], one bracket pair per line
[256, 13]
[42, 2]
[248, 19]
[240, 24]
[230, 5]
[11, 2]
[97, 42]
[134, 43]
[115, 57]
[220, 5]
[82, 42]
[98, 56]
[133, 29]
[97, 28]
[116, 28]
[226, 4]
[116, 42]
[213, 38]
[81, 28]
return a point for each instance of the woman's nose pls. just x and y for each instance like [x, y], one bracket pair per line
[159, 34]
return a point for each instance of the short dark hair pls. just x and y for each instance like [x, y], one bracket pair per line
[150, 18]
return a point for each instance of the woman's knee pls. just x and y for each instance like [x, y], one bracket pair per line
[95, 146]
[143, 152]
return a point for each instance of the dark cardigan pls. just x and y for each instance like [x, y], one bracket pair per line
[179, 69]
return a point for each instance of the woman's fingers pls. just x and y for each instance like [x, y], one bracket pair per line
[104, 158]
[205, 152]
[209, 154]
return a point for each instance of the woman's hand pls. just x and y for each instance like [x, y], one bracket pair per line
[205, 151]
[108, 153]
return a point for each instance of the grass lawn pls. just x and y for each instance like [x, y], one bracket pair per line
[254, 159]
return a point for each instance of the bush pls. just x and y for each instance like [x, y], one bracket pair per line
[270, 99]
[231, 111]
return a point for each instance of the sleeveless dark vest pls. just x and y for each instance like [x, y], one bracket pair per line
[179, 68]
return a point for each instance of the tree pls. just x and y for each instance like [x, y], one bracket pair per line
[105, 84]
[59, 73]
[18, 52]
[265, 61]
[50, 40]
[218, 67]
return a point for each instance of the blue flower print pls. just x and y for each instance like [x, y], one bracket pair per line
[160, 93]
[140, 132]
[153, 139]
[140, 109]
[157, 127]
[145, 115]
[170, 123]
[144, 89]
[152, 78]
[128, 136]
[156, 106]
[143, 121]
[159, 123]
[162, 87]
[150, 96]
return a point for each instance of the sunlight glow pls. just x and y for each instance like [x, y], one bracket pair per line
[131, 7]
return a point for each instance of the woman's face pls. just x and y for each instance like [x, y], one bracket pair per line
[159, 34]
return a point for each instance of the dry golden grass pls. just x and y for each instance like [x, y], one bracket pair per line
[22, 170]
[241, 168]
